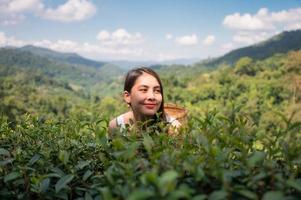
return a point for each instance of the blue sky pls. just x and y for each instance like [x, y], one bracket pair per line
[145, 29]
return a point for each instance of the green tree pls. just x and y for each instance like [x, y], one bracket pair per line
[245, 66]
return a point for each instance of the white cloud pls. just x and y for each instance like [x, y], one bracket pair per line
[263, 19]
[11, 19]
[250, 37]
[42, 43]
[65, 46]
[103, 35]
[168, 36]
[187, 40]
[90, 50]
[10, 41]
[294, 26]
[18, 6]
[14, 11]
[291, 15]
[94, 51]
[99, 50]
[2, 39]
[228, 46]
[119, 37]
[245, 22]
[209, 40]
[72, 10]
[254, 28]
[165, 56]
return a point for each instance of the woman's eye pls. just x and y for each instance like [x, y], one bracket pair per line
[143, 90]
[158, 91]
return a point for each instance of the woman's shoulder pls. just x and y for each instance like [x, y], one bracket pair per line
[119, 121]
[112, 125]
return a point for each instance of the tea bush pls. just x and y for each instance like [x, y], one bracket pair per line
[216, 156]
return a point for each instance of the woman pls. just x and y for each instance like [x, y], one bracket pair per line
[143, 92]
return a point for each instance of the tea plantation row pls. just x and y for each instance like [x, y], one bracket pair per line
[215, 157]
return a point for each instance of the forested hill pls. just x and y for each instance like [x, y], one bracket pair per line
[70, 58]
[281, 43]
[67, 67]
[39, 85]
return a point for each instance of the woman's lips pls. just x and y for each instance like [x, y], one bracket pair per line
[150, 106]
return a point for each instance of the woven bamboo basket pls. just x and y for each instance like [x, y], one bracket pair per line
[176, 111]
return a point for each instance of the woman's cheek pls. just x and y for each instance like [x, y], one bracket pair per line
[159, 98]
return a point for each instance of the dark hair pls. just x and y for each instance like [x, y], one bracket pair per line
[130, 80]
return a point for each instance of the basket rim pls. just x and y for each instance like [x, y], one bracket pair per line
[180, 109]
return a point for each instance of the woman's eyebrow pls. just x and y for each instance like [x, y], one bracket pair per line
[147, 86]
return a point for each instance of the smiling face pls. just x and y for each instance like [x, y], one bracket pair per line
[145, 96]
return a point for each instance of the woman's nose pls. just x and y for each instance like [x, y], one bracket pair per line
[151, 95]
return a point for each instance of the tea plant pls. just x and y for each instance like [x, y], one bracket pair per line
[217, 156]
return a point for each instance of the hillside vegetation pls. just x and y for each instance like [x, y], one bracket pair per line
[281, 43]
[241, 140]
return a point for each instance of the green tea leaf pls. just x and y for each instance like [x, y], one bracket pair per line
[58, 171]
[5, 162]
[148, 143]
[44, 185]
[248, 194]
[295, 184]
[64, 157]
[179, 194]
[256, 158]
[63, 182]
[62, 195]
[88, 196]
[149, 178]
[87, 174]
[53, 175]
[199, 197]
[34, 159]
[140, 194]
[131, 151]
[106, 194]
[11, 176]
[81, 164]
[273, 195]
[218, 195]
[4, 152]
[167, 181]
[199, 174]
[168, 177]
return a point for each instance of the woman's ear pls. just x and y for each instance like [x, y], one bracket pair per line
[127, 97]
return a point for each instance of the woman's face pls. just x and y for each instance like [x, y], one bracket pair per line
[145, 96]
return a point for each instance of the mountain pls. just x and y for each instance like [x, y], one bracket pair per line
[126, 65]
[183, 61]
[22, 59]
[281, 43]
[70, 58]
[69, 68]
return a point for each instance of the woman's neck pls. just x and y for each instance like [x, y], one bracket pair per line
[137, 118]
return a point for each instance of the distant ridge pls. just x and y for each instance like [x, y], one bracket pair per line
[281, 43]
[62, 66]
[125, 64]
[69, 58]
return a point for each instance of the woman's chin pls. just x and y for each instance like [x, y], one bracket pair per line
[149, 113]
